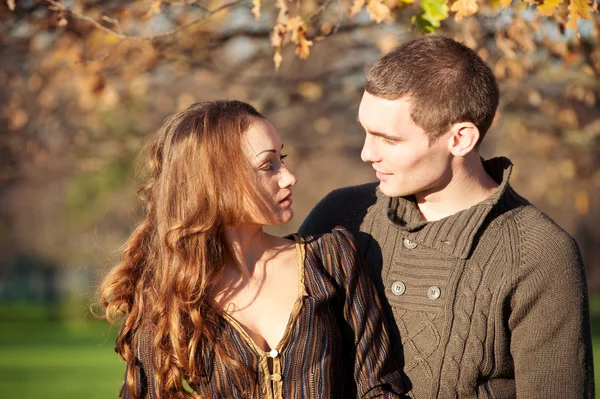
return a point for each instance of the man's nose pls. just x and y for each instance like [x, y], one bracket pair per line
[369, 151]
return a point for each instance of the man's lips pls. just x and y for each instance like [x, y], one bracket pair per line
[382, 176]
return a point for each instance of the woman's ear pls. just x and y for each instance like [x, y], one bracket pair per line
[463, 138]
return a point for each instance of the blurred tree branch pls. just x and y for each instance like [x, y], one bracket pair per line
[60, 7]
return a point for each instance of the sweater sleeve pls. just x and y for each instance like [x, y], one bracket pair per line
[375, 371]
[549, 320]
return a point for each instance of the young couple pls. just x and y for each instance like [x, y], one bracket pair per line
[467, 289]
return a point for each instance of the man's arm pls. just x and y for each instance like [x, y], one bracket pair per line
[342, 207]
[549, 321]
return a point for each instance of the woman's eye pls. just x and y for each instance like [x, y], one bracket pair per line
[271, 165]
[267, 167]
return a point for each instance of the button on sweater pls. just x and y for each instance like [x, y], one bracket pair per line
[490, 302]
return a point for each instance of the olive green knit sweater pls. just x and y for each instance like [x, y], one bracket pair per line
[490, 302]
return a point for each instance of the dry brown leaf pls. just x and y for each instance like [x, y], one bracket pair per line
[582, 202]
[256, 8]
[302, 47]
[522, 34]
[378, 11]
[357, 5]
[506, 46]
[277, 58]
[464, 8]
[549, 6]
[282, 17]
[11, 4]
[279, 31]
[154, 9]
[310, 91]
[294, 25]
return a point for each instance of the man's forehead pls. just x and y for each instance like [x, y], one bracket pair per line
[376, 111]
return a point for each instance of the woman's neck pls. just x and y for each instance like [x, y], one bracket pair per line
[247, 244]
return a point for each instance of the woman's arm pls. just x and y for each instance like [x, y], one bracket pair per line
[376, 373]
[141, 371]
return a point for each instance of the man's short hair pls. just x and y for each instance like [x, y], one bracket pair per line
[445, 81]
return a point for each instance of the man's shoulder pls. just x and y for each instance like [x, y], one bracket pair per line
[345, 206]
[541, 240]
[364, 193]
[533, 222]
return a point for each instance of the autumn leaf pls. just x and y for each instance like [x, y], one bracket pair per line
[505, 3]
[294, 25]
[464, 8]
[548, 7]
[434, 11]
[11, 4]
[277, 58]
[402, 3]
[282, 17]
[277, 35]
[154, 9]
[302, 47]
[378, 11]
[297, 27]
[357, 5]
[578, 9]
[256, 8]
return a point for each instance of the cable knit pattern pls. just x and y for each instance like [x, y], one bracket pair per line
[490, 302]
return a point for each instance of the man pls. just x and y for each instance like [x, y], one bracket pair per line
[488, 294]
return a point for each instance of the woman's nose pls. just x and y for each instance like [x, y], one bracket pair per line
[287, 179]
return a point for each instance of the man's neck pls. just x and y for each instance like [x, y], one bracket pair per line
[470, 185]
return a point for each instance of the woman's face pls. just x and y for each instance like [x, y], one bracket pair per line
[270, 185]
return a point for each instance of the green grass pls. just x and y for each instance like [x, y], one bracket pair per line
[55, 355]
[42, 358]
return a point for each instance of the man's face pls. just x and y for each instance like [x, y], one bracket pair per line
[405, 161]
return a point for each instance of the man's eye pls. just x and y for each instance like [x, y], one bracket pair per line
[282, 157]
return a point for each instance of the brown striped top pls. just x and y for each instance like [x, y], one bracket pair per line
[336, 343]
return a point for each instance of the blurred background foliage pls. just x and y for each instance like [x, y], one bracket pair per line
[84, 84]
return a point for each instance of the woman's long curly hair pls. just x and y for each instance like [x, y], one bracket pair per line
[175, 257]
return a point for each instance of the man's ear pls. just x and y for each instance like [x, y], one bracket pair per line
[463, 138]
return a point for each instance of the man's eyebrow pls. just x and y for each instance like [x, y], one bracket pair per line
[270, 150]
[378, 134]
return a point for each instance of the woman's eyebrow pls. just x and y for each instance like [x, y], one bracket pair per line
[269, 150]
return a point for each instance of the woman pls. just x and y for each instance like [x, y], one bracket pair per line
[214, 307]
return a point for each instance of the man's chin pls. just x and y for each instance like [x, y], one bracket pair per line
[387, 190]
[391, 191]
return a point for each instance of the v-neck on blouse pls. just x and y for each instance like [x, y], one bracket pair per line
[267, 378]
[335, 345]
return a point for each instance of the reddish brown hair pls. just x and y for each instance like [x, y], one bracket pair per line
[176, 255]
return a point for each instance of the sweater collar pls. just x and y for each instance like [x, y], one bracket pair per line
[455, 234]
